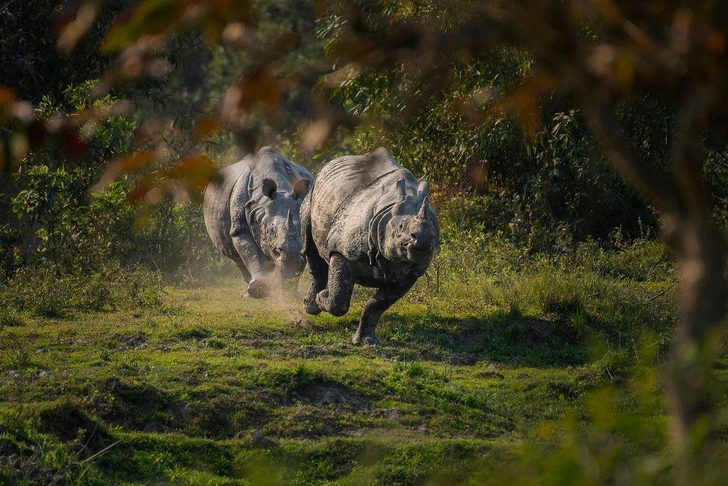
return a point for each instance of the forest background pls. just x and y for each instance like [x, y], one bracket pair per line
[116, 115]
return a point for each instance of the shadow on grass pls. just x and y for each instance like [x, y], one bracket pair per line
[504, 337]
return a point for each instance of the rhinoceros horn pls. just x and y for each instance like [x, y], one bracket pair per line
[423, 213]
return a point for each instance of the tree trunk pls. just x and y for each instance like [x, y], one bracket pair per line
[699, 250]
[700, 253]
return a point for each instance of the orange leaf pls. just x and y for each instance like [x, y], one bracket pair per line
[7, 96]
[197, 170]
[259, 86]
[133, 162]
[150, 17]
[205, 126]
[73, 23]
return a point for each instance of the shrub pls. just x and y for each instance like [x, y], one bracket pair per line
[9, 318]
[55, 292]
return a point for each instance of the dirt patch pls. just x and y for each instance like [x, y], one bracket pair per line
[463, 359]
[539, 332]
[134, 341]
[69, 422]
[330, 393]
[135, 406]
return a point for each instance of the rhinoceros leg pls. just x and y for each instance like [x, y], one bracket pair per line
[317, 266]
[319, 278]
[335, 298]
[382, 300]
[246, 275]
[255, 263]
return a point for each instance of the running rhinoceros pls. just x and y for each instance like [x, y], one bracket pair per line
[368, 221]
[252, 216]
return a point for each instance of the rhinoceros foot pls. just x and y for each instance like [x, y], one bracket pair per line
[336, 305]
[365, 340]
[311, 307]
[257, 289]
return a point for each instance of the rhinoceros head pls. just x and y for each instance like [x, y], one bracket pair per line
[412, 233]
[278, 226]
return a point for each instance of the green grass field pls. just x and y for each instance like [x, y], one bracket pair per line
[476, 375]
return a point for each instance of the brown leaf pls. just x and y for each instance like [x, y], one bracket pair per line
[316, 134]
[130, 163]
[148, 17]
[196, 170]
[74, 22]
[206, 126]
[522, 102]
[716, 43]
[72, 145]
[259, 87]
[7, 96]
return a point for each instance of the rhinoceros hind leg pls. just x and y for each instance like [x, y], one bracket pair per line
[336, 297]
[382, 300]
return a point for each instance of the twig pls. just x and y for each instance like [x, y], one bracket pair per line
[102, 451]
[662, 293]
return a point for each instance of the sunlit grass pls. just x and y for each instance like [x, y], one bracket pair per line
[210, 387]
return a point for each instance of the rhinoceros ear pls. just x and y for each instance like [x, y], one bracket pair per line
[400, 188]
[423, 189]
[300, 188]
[269, 188]
[401, 207]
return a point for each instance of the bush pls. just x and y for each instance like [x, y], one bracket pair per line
[28, 456]
[55, 292]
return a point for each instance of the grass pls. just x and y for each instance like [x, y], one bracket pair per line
[209, 388]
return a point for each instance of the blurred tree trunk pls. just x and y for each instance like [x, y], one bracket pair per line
[699, 250]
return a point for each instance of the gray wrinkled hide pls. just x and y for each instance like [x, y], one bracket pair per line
[368, 221]
[252, 216]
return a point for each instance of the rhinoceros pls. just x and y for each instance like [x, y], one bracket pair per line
[367, 220]
[252, 216]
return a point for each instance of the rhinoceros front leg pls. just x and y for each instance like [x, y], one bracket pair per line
[382, 300]
[256, 264]
[319, 278]
[335, 298]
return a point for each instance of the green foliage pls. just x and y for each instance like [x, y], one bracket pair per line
[32, 62]
[28, 456]
[83, 234]
[72, 229]
[171, 237]
[52, 291]
[10, 318]
[545, 192]
[505, 366]
[10, 250]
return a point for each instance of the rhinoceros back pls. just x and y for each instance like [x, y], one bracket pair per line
[239, 184]
[268, 163]
[346, 194]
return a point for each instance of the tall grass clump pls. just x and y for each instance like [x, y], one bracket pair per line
[28, 456]
[614, 294]
[57, 292]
